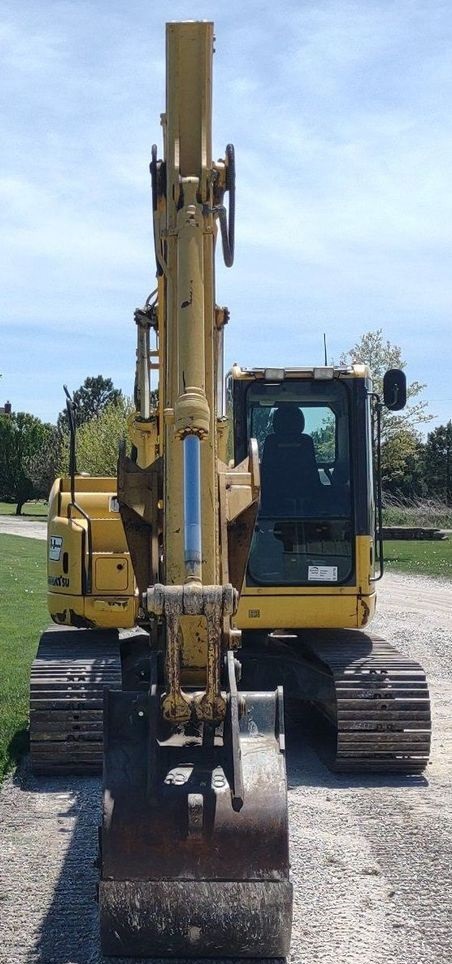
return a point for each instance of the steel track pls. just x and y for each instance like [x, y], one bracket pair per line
[381, 710]
[68, 677]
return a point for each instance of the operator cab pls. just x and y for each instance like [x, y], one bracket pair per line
[316, 486]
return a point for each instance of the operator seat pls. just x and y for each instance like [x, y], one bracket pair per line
[288, 469]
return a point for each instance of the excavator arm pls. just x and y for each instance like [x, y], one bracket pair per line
[194, 842]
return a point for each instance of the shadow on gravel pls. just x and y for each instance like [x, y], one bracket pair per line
[69, 931]
[18, 746]
[188, 960]
[310, 744]
[67, 934]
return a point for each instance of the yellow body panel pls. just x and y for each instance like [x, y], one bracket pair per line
[302, 611]
[109, 612]
[89, 572]
[291, 607]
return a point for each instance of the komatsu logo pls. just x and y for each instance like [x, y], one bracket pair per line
[61, 582]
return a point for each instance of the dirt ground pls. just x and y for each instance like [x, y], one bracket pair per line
[371, 857]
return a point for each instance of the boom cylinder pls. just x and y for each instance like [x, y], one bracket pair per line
[192, 412]
[192, 509]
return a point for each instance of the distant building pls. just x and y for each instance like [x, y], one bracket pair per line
[5, 409]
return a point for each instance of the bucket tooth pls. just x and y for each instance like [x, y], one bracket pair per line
[183, 873]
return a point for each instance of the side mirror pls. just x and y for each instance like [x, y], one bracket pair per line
[394, 389]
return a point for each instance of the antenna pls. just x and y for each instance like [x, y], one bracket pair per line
[325, 349]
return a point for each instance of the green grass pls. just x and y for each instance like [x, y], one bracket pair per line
[424, 558]
[23, 616]
[34, 510]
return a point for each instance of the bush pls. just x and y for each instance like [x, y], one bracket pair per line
[431, 513]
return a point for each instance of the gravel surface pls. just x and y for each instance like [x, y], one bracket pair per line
[371, 856]
[15, 526]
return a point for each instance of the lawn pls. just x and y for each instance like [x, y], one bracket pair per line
[421, 557]
[23, 616]
[33, 510]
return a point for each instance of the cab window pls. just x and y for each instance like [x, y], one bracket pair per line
[304, 529]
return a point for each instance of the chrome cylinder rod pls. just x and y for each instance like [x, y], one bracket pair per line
[192, 509]
[220, 373]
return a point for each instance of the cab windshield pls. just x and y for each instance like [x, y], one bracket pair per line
[304, 527]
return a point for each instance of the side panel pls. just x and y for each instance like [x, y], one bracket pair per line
[348, 607]
[108, 612]
[89, 572]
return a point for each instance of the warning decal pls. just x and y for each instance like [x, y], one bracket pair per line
[322, 573]
[55, 546]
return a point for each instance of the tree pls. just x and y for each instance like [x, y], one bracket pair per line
[380, 355]
[44, 465]
[401, 451]
[90, 400]
[22, 438]
[98, 439]
[402, 462]
[438, 463]
[324, 439]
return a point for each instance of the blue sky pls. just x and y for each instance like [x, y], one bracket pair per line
[340, 115]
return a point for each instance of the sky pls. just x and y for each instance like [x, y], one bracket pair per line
[340, 115]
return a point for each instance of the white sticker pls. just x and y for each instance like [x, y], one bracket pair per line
[114, 503]
[55, 544]
[322, 573]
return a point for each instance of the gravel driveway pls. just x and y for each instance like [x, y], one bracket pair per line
[12, 525]
[371, 857]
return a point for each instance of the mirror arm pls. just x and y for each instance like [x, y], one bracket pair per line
[378, 535]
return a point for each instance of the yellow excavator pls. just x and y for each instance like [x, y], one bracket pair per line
[234, 554]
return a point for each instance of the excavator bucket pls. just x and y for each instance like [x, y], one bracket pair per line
[188, 869]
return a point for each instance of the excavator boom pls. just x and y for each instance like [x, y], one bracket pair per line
[194, 843]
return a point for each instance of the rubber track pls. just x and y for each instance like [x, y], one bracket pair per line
[68, 677]
[382, 707]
